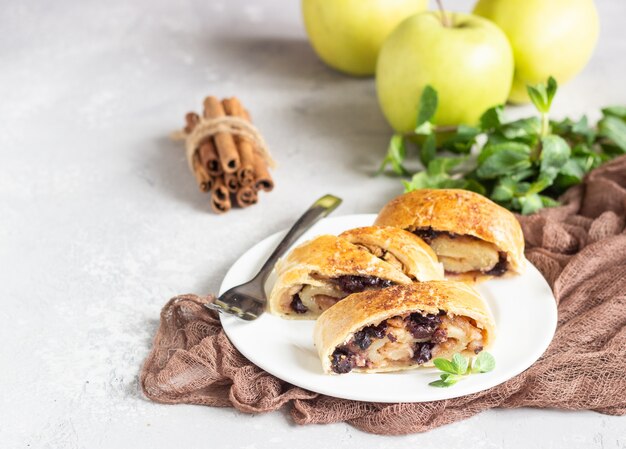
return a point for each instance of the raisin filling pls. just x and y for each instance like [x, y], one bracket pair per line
[363, 338]
[423, 352]
[357, 284]
[412, 339]
[422, 326]
[348, 284]
[296, 304]
[342, 361]
[429, 234]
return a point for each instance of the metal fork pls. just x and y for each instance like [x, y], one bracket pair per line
[247, 301]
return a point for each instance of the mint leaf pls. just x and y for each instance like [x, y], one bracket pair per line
[613, 129]
[525, 130]
[530, 203]
[443, 165]
[462, 141]
[541, 95]
[575, 132]
[523, 174]
[484, 363]
[542, 182]
[445, 365]
[551, 89]
[428, 149]
[396, 153]
[492, 118]
[583, 130]
[423, 180]
[442, 383]
[538, 97]
[554, 154]
[427, 106]
[548, 202]
[445, 380]
[449, 376]
[504, 190]
[587, 157]
[474, 186]
[571, 173]
[615, 111]
[503, 158]
[460, 363]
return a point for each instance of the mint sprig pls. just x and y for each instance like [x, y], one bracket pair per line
[396, 152]
[460, 367]
[523, 165]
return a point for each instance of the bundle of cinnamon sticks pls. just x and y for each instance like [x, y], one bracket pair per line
[229, 165]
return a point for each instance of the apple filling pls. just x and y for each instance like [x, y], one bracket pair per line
[385, 255]
[464, 253]
[317, 298]
[411, 339]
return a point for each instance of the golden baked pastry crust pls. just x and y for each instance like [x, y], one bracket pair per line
[388, 253]
[338, 324]
[459, 212]
[418, 259]
[327, 256]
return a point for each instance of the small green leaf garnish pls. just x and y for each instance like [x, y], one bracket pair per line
[613, 128]
[444, 365]
[541, 95]
[427, 152]
[427, 108]
[461, 363]
[484, 363]
[460, 366]
[502, 158]
[492, 118]
[555, 152]
[396, 152]
[442, 383]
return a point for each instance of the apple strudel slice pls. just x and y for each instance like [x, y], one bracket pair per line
[473, 237]
[403, 327]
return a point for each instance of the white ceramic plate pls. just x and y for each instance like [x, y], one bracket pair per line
[523, 306]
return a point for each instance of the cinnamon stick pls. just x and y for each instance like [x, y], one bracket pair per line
[205, 163]
[225, 143]
[210, 183]
[209, 158]
[191, 120]
[263, 179]
[202, 175]
[220, 207]
[260, 172]
[246, 196]
[220, 198]
[231, 181]
[245, 174]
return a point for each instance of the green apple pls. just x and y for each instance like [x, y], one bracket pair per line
[347, 34]
[468, 61]
[549, 38]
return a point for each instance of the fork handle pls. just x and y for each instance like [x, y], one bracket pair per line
[318, 210]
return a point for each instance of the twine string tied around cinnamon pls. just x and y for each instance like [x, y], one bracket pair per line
[208, 127]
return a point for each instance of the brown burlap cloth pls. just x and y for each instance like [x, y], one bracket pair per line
[581, 250]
